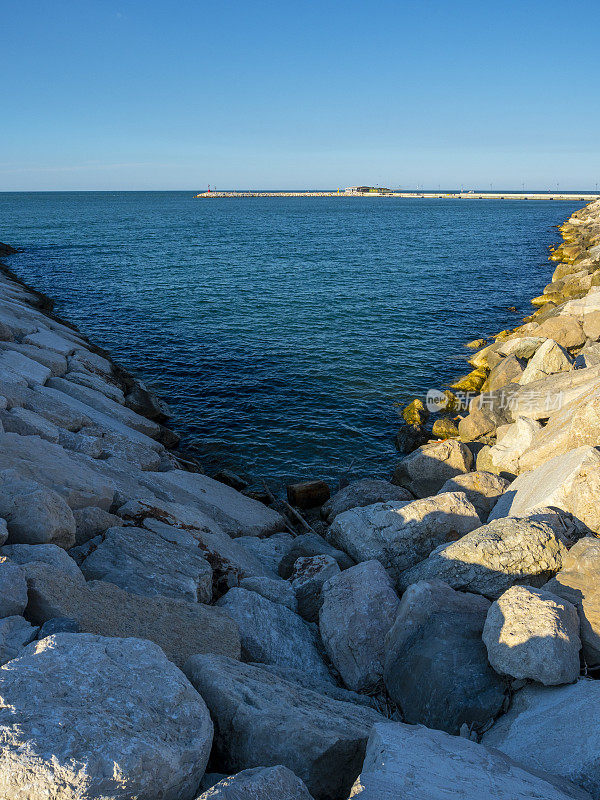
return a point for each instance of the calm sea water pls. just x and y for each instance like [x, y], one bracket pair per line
[283, 331]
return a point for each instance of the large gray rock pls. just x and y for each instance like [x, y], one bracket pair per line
[17, 366]
[509, 370]
[318, 685]
[551, 484]
[29, 423]
[359, 608]
[308, 577]
[554, 729]
[425, 471]
[362, 493]
[15, 634]
[481, 488]
[34, 514]
[565, 329]
[523, 347]
[144, 562]
[531, 634]
[272, 633]
[179, 628]
[49, 465]
[235, 513]
[436, 666]
[490, 560]
[13, 589]
[578, 582]
[262, 720]
[83, 717]
[408, 761]
[260, 783]
[46, 553]
[400, 535]
[549, 359]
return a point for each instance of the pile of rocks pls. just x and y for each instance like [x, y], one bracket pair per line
[164, 636]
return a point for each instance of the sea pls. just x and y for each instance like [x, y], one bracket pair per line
[286, 334]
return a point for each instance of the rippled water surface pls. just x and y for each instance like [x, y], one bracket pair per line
[284, 331]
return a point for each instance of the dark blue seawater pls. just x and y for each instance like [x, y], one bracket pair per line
[284, 331]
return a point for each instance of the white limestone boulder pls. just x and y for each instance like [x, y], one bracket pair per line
[167, 564]
[17, 366]
[48, 464]
[425, 470]
[492, 558]
[578, 582]
[549, 359]
[575, 425]
[532, 634]
[45, 553]
[34, 514]
[481, 488]
[550, 484]
[88, 717]
[400, 535]
[235, 513]
[512, 441]
[362, 493]
[275, 589]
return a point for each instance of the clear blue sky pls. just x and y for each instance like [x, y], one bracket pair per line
[147, 94]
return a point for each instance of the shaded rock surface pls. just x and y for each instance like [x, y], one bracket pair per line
[359, 608]
[167, 564]
[319, 739]
[426, 470]
[362, 493]
[436, 666]
[554, 729]
[578, 582]
[482, 489]
[407, 761]
[272, 633]
[260, 783]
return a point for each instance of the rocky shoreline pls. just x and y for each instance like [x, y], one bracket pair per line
[166, 637]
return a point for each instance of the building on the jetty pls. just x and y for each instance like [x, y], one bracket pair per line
[366, 190]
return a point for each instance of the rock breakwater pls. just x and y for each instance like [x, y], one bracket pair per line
[164, 636]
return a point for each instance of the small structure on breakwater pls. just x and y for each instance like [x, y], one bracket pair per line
[367, 190]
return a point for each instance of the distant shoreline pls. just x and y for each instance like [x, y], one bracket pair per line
[424, 195]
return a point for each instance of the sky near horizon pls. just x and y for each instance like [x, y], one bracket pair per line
[147, 94]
